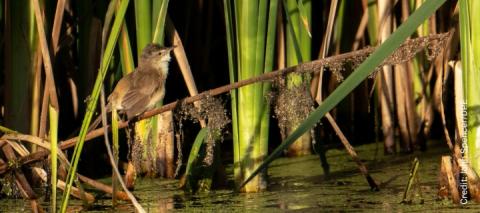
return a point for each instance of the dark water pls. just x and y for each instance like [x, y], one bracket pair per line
[299, 185]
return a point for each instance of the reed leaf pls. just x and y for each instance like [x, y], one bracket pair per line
[92, 103]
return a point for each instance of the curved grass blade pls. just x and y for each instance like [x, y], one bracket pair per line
[112, 40]
[360, 74]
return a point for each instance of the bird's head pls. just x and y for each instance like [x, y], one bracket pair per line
[157, 56]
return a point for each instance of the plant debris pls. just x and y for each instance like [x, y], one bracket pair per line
[432, 45]
[212, 111]
[290, 112]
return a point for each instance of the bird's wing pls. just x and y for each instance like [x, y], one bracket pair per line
[136, 99]
[147, 81]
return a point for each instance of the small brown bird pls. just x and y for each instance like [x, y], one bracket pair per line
[140, 90]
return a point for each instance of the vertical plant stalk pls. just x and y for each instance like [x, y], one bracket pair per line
[50, 85]
[128, 66]
[456, 67]
[132, 198]
[248, 18]
[115, 152]
[53, 106]
[143, 20]
[298, 50]
[182, 61]
[318, 98]
[21, 42]
[54, 44]
[470, 54]
[359, 36]
[317, 92]
[166, 146]
[162, 125]
[126, 56]
[143, 129]
[161, 14]
[385, 80]
[53, 155]
[316, 88]
[247, 35]
[404, 97]
[93, 99]
[150, 26]
[36, 95]
[233, 69]
[360, 74]
[419, 87]
[403, 100]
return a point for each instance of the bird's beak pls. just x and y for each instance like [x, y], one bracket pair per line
[166, 50]
[171, 48]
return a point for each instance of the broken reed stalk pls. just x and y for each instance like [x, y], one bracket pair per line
[413, 175]
[351, 151]
[402, 54]
[447, 170]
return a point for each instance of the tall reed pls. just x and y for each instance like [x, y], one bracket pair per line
[298, 50]
[470, 52]
[250, 38]
[360, 74]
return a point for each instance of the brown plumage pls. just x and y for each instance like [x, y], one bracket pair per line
[140, 90]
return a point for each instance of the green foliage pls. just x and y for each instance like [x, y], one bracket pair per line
[250, 29]
[92, 103]
[470, 52]
[53, 154]
[360, 74]
[192, 163]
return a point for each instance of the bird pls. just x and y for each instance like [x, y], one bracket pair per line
[140, 90]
